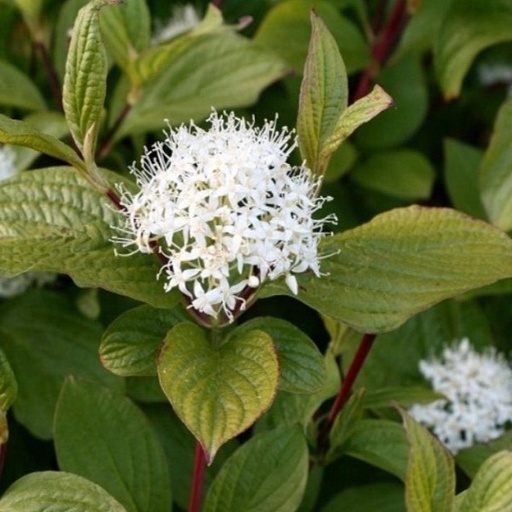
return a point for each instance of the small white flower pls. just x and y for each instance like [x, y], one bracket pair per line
[183, 19]
[7, 163]
[478, 391]
[227, 211]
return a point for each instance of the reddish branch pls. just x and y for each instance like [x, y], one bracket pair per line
[196, 492]
[346, 387]
[382, 48]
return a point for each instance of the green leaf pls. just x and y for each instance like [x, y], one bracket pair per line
[381, 497]
[406, 396]
[217, 389]
[126, 30]
[345, 421]
[58, 492]
[362, 111]
[290, 21]
[471, 459]
[462, 177]
[291, 409]
[130, 345]
[85, 81]
[468, 27]
[8, 384]
[115, 447]
[410, 99]
[301, 364]
[402, 262]
[17, 90]
[45, 340]
[323, 95]
[430, 478]
[403, 173]
[23, 134]
[50, 123]
[496, 179]
[381, 443]
[491, 489]
[269, 472]
[68, 226]
[31, 9]
[218, 70]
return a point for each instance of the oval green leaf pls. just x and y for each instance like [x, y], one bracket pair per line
[430, 477]
[496, 178]
[402, 262]
[131, 343]
[403, 173]
[381, 443]
[218, 389]
[214, 70]
[59, 492]
[46, 339]
[129, 462]
[301, 364]
[468, 27]
[17, 90]
[323, 95]
[22, 133]
[85, 81]
[68, 226]
[269, 472]
[491, 489]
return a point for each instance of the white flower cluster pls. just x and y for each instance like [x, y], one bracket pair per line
[478, 391]
[227, 210]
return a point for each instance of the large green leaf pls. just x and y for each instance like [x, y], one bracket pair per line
[46, 122]
[130, 344]
[126, 30]
[462, 177]
[430, 478]
[402, 262]
[68, 226]
[301, 364]
[17, 90]
[218, 389]
[104, 437]
[496, 178]
[290, 21]
[24, 134]
[491, 489]
[381, 497]
[468, 27]
[58, 492]
[46, 339]
[269, 472]
[401, 173]
[323, 95]
[217, 70]
[381, 443]
[85, 80]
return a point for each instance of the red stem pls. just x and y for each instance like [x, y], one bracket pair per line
[42, 51]
[196, 492]
[346, 387]
[382, 48]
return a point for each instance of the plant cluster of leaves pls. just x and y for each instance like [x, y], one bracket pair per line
[90, 367]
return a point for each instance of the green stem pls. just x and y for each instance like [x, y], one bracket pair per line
[196, 491]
